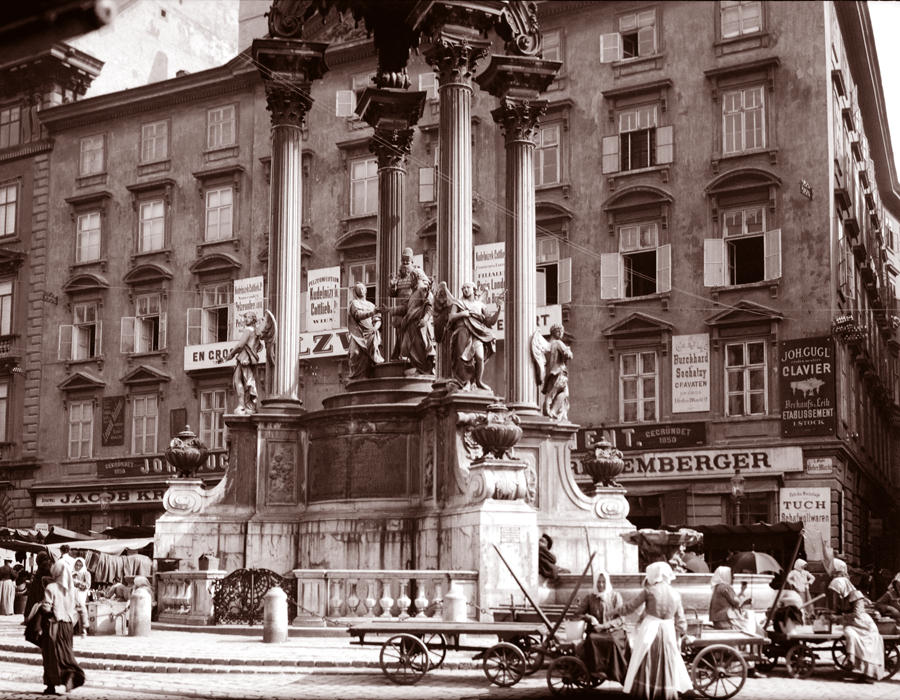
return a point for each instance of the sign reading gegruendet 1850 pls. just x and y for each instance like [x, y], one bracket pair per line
[113, 421]
[807, 387]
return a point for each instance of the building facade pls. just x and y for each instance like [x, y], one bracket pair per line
[717, 212]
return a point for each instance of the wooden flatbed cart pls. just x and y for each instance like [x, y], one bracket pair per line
[415, 646]
[717, 662]
[800, 657]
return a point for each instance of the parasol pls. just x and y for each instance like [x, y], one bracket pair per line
[754, 563]
[660, 545]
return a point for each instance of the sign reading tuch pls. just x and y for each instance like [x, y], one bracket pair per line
[807, 387]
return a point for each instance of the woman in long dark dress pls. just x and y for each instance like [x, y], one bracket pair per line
[606, 644]
[60, 667]
[863, 643]
[37, 584]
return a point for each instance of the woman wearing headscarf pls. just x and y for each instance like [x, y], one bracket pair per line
[726, 609]
[7, 587]
[889, 603]
[39, 579]
[656, 670]
[81, 577]
[799, 579]
[862, 642]
[60, 666]
[606, 644]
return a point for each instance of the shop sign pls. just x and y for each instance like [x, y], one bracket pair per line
[819, 465]
[690, 373]
[810, 505]
[113, 421]
[323, 300]
[702, 464]
[248, 296]
[90, 497]
[155, 465]
[212, 355]
[807, 387]
[334, 343]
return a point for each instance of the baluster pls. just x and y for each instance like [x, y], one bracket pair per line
[352, 599]
[403, 602]
[386, 601]
[438, 601]
[334, 601]
[421, 601]
[370, 598]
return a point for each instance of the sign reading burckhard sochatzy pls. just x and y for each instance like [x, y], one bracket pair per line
[690, 373]
[807, 387]
[113, 421]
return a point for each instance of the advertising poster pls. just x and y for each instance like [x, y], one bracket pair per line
[248, 296]
[807, 387]
[690, 373]
[323, 302]
[113, 409]
[810, 505]
[490, 270]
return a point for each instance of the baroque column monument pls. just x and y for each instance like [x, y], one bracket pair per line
[404, 470]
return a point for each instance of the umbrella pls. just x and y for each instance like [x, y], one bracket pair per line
[754, 563]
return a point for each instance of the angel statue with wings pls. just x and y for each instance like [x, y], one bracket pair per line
[465, 324]
[552, 372]
[246, 353]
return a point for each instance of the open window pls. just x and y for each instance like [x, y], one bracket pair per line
[640, 142]
[146, 330]
[80, 340]
[211, 321]
[345, 101]
[554, 273]
[636, 37]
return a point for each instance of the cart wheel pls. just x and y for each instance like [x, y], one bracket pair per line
[718, 671]
[839, 656]
[404, 659]
[769, 658]
[436, 644]
[891, 660]
[566, 675]
[533, 649]
[504, 664]
[800, 661]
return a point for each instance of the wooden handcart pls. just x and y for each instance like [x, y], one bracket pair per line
[801, 655]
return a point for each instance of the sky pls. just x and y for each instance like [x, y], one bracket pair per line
[886, 26]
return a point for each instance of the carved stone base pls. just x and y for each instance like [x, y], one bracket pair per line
[499, 479]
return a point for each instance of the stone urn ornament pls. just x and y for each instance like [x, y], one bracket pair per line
[497, 431]
[187, 453]
[605, 465]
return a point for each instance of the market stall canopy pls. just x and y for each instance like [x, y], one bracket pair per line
[107, 546]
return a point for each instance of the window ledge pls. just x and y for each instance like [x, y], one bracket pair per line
[772, 286]
[11, 239]
[85, 361]
[137, 257]
[638, 64]
[717, 159]
[157, 166]
[743, 42]
[135, 356]
[662, 297]
[99, 262]
[234, 242]
[93, 179]
[220, 153]
[347, 221]
[562, 187]
[661, 170]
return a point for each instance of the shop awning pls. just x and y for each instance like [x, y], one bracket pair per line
[107, 546]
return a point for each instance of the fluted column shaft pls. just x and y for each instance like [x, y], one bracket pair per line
[391, 193]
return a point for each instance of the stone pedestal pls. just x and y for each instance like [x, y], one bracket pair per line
[186, 597]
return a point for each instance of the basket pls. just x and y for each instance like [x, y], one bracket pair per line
[886, 626]
[822, 624]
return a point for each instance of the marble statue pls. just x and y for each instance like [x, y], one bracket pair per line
[412, 315]
[246, 353]
[364, 326]
[465, 324]
[552, 372]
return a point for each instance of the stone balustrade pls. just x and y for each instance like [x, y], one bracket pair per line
[351, 594]
[186, 596]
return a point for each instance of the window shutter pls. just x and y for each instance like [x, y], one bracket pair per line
[345, 295]
[126, 335]
[303, 302]
[344, 103]
[194, 326]
[610, 47]
[540, 286]
[610, 276]
[773, 254]
[664, 268]
[610, 154]
[65, 342]
[664, 144]
[564, 283]
[162, 330]
[646, 41]
[713, 262]
[98, 342]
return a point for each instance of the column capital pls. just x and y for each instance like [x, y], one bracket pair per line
[454, 60]
[518, 76]
[518, 117]
[392, 146]
[288, 67]
[392, 113]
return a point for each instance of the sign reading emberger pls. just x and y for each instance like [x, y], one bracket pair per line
[704, 463]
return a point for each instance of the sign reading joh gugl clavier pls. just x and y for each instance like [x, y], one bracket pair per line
[807, 387]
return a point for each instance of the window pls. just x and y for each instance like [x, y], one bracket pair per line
[6, 307]
[211, 322]
[554, 275]
[92, 155]
[740, 17]
[146, 330]
[212, 418]
[747, 251]
[219, 214]
[637, 387]
[144, 421]
[10, 126]
[428, 83]
[428, 180]
[152, 233]
[220, 128]
[640, 142]
[546, 156]
[743, 120]
[154, 142]
[4, 410]
[345, 100]
[636, 37]
[9, 194]
[641, 266]
[363, 272]
[745, 378]
[81, 429]
[363, 187]
[87, 237]
[81, 340]
[552, 50]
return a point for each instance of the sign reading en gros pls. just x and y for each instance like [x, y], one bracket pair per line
[699, 464]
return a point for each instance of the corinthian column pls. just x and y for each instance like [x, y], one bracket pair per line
[517, 81]
[288, 67]
[392, 112]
